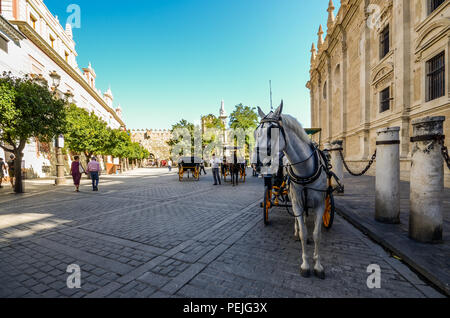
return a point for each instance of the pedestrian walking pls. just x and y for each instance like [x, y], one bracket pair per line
[76, 171]
[254, 169]
[3, 170]
[11, 169]
[94, 170]
[215, 164]
[169, 164]
[202, 167]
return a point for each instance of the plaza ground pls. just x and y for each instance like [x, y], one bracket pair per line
[145, 234]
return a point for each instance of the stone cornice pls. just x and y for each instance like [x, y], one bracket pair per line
[430, 17]
[53, 24]
[34, 37]
[10, 30]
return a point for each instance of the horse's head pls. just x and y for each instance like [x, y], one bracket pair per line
[270, 141]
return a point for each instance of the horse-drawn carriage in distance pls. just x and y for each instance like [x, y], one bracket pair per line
[189, 165]
[233, 166]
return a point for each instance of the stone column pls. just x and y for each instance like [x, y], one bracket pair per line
[337, 163]
[427, 181]
[387, 189]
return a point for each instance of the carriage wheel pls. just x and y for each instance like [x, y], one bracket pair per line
[267, 205]
[328, 216]
[197, 174]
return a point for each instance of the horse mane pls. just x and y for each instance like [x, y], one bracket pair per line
[293, 124]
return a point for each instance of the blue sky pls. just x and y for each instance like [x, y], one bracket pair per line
[171, 59]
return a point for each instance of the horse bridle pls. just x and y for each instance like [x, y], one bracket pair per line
[274, 123]
[277, 123]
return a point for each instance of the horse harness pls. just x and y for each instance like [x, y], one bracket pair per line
[321, 164]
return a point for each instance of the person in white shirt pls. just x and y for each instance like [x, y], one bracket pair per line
[170, 165]
[215, 164]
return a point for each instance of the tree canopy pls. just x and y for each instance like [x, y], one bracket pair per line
[244, 117]
[27, 110]
[184, 138]
[85, 132]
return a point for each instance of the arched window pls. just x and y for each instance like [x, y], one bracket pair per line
[433, 5]
[337, 77]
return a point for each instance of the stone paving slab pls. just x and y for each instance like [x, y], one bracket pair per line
[189, 240]
[430, 260]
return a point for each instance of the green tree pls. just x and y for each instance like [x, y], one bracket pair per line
[27, 110]
[246, 118]
[180, 132]
[118, 144]
[86, 133]
[212, 121]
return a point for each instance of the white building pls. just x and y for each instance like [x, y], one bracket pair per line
[32, 41]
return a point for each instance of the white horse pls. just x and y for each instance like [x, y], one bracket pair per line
[305, 171]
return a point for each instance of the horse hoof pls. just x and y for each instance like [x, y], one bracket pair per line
[305, 273]
[320, 275]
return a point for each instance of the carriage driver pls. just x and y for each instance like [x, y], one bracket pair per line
[215, 164]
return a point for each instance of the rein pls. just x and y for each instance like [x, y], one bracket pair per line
[314, 154]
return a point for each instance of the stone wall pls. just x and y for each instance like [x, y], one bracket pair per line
[155, 141]
[348, 73]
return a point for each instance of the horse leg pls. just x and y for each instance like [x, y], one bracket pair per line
[318, 268]
[296, 230]
[305, 269]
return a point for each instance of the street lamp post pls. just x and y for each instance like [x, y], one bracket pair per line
[59, 144]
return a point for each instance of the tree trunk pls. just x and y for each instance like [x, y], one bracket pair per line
[18, 185]
[121, 165]
[88, 159]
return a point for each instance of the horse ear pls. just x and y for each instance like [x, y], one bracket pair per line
[261, 113]
[279, 110]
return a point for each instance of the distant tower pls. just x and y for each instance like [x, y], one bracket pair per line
[223, 117]
[108, 95]
[90, 75]
[119, 111]
[223, 114]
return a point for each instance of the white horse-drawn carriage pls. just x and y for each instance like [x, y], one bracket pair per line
[301, 180]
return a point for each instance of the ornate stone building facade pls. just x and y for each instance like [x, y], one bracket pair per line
[383, 63]
[155, 141]
[33, 42]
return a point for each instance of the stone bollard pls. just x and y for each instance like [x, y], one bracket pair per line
[387, 188]
[427, 180]
[338, 164]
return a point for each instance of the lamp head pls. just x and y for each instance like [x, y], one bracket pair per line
[56, 78]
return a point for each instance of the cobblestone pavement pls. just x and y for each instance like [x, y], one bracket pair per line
[145, 234]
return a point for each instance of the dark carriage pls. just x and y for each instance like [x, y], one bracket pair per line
[233, 165]
[191, 165]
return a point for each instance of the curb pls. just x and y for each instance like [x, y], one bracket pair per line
[441, 286]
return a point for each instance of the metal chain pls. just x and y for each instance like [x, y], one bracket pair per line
[374, 156]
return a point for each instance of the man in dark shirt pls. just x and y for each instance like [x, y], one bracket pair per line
[11, 169]
[2, 171]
